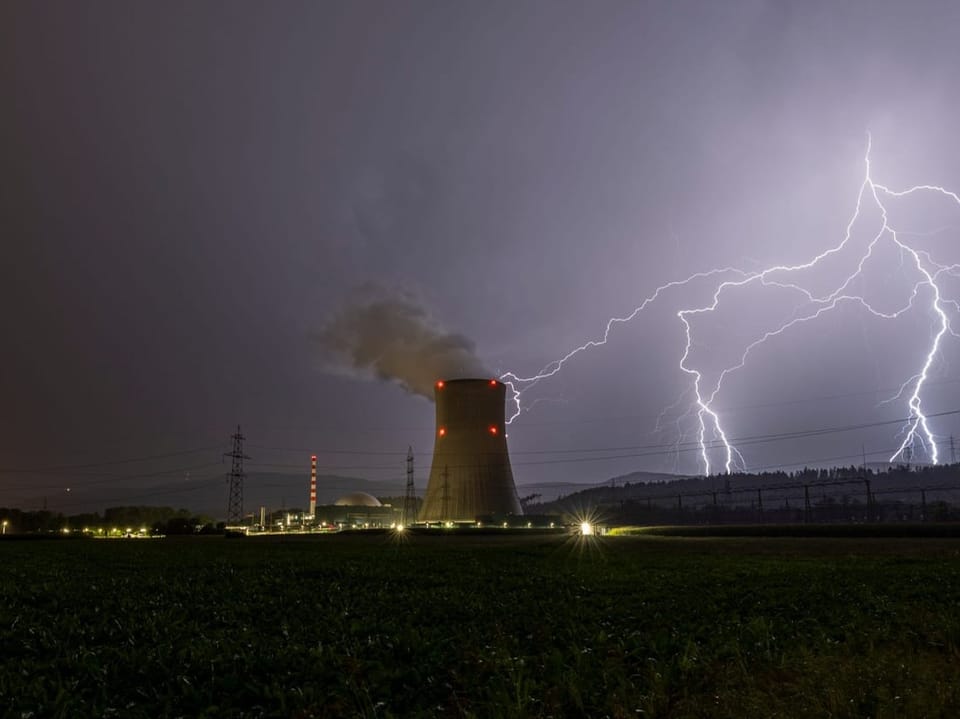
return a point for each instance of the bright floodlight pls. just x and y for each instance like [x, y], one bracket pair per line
[586, 529]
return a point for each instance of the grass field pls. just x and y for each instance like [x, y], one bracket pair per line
[486, 626]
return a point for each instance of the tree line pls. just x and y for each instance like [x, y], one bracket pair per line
[157, 520]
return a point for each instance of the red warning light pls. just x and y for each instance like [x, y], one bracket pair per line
[313, 458]
[443, 431]
[493, 429]
[493, 383]
[440, 384]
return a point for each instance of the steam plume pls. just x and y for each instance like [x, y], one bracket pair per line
[393, 337]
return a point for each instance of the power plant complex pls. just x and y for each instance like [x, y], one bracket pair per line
[470, 483]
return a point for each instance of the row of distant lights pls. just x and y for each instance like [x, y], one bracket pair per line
[505, 525]
[493, 429]
[111, 532]
[586, 529]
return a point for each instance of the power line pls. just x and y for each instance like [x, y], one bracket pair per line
[114, 477]
[837, 458]
[646, 450]
[381, 453]
[214, 479]
[322, 466]
[135, 443]
[746, 440]
[609, 418]
[91, 465]
[200, 483]
[587, 420]
[384, 453]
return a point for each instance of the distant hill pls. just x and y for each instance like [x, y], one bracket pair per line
[551, 491]
[276, 490]
[209, 496]
[838, 484]
[645, 478]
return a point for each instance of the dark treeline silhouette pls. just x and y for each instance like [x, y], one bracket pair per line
[839, 494]
[157, 520]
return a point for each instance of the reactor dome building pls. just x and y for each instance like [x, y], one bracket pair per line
[357, 499]
[470, 476]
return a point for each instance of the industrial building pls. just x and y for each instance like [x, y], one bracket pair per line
[357, 509]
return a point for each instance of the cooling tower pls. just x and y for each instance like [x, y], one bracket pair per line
[470, 475]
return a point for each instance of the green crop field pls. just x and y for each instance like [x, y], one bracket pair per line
[481, 626]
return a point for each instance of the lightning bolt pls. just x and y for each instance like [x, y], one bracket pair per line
[789, 278]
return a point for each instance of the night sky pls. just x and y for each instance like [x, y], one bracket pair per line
[198, 199]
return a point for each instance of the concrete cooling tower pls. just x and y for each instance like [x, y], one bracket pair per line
[470, 476]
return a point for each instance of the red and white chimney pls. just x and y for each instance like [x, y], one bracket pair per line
[313, 486]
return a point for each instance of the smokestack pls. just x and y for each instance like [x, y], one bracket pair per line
[470, 475]
[313, 486]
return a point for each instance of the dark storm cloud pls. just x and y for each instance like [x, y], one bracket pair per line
[184, 184]
[392, 337]
[391, 198]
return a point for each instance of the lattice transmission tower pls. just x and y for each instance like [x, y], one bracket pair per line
[235, 480]
[409, 515]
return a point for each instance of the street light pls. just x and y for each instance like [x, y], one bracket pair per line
[5, 523]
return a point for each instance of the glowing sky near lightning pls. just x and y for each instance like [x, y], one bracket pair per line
[926, 294]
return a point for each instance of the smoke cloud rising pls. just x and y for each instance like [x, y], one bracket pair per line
[393, 337]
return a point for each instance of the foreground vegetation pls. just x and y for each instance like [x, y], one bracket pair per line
[486, 626]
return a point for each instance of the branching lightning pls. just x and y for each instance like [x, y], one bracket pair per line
[789, 278]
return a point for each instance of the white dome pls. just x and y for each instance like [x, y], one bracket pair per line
[358, 499]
